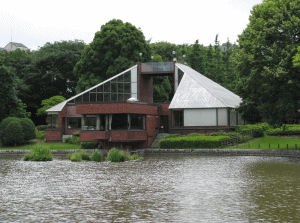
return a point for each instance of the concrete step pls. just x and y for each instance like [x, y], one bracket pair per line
[157, 139]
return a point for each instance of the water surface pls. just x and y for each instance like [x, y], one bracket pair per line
[159, 189]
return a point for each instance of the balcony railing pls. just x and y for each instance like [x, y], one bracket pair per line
[157, 67]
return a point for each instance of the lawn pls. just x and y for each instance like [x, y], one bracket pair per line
[269, 142]
[53, 146]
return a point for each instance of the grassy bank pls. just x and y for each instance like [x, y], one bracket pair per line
[269, 142]
[53, 146]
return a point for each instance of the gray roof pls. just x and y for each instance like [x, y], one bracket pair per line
[59, 107]
[197, 91]
[2, 49]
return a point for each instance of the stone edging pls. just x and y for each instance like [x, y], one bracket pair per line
[54, 152]
[226, 152]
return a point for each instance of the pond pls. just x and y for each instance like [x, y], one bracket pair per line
[159, 189]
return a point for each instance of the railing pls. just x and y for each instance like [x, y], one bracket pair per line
[236, 140]
[157, 67]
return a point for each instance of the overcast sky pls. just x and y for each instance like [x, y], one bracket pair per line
[34, 23]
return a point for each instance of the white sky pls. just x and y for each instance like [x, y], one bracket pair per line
[34, 23]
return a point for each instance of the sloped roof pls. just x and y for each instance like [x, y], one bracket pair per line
[2, 49]
[197, 91]
[59, 107]
[18, 45]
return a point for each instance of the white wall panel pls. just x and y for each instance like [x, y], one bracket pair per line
[200, 117]
[222, 117]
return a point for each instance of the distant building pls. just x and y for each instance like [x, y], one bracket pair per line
[11, 46]
[2, 50]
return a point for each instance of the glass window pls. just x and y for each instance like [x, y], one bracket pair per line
[99, 97]
[100, 88]
[106, 97]
[127, 88]
[114, 87]
[86, 97]
[90, 122]
[120, 88]
[127, 77]
[114, 97]
[78, 99]
[136, 121]
[74, 123]
[93, 96]
[107, 87]
[178, 118]
[115, 80]
[119, 122]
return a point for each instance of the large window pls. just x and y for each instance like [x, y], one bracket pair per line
[74, 123]
[120, 88]
[178, 118]
[136, 121]
[119, 122]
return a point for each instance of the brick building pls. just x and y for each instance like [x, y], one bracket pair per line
[120, 111]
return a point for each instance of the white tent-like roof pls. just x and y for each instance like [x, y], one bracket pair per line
[197, 91]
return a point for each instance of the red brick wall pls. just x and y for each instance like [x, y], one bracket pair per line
[152, 128]
[128, 136]
[115, 108]
[53, 135]
[72, 131]
[92, 136]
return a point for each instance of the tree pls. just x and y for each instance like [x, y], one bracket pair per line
[49, 103]
[197, 58]
[296, 58]
[264, 60]
[8, 93]
[115, 48]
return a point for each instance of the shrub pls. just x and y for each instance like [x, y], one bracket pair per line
[96, 156]
[41, 135]
[136, 157]
[89, 145]
[44, 127]
[221, 133]
[76, 134]
[173, 136]
[68, 139]
[28, 128]
[196, 134]
[115, 155]
[85, 155]
[285, 131]
[39, 153]
[69, 156]
[13, 134]
[257, 129]
[76, 157]
[5, 123]
[192, 142]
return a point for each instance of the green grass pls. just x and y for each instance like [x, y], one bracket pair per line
[52, 146]
[263, 143]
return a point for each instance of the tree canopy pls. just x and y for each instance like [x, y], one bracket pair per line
[115, 48]
[264, 61]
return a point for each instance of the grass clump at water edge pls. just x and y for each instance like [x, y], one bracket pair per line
[39, 153]
[115, 155]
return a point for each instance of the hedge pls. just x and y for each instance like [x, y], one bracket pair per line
[192, 142]
[89, 145]
[285, 130]
[257, 129]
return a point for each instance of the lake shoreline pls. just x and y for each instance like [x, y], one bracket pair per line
[196, 152]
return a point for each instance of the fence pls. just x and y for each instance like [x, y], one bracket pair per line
[237, 139]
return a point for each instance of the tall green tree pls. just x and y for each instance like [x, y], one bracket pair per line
[264, 61]
[115, 48]
[197, 58]
[8, 93]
